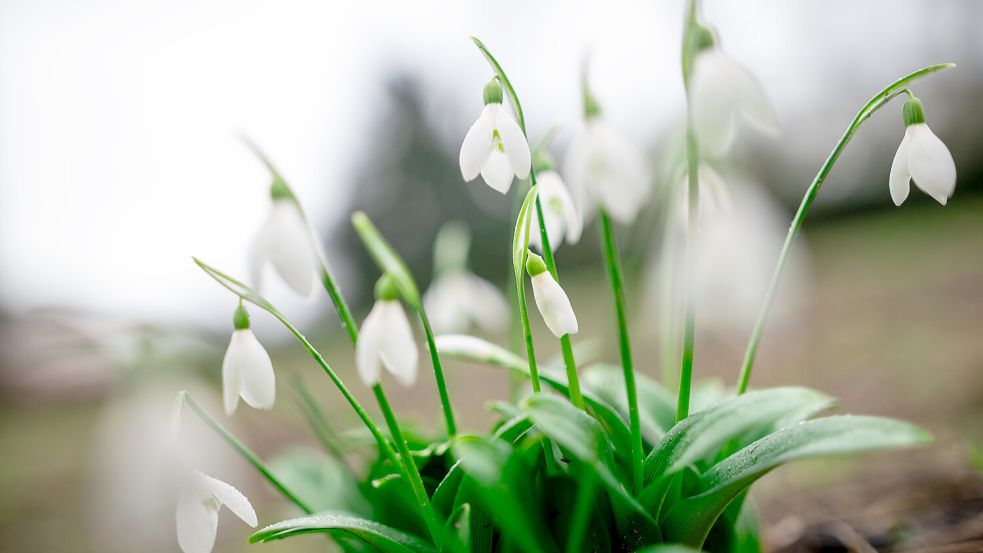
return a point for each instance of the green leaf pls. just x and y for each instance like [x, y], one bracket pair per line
[657, 407]
[581, 435]
[690, 520]
[380, 536]
[702, 434]
[386, 258]
[520, 238]
[322, 482]
[460, 523]
[472, 348]
[503, 483]
[668, 548]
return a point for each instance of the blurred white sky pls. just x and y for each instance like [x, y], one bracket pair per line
[119, 156]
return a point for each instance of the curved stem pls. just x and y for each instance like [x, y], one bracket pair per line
[613, 265]
[879, 100]
[445, 400]
[341, 306]
[245, 452]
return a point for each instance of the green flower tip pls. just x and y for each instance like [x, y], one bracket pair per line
[542, 161]
[535, 265]
[279, 189]
[913, 112]
[493, 92]
[703, 38]
[591, 106]
[386, 288]
[240, 319]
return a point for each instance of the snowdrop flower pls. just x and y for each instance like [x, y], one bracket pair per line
[563, 220]
[286, 242]
[247, 371]
[386, 339]
[200, 499]
[495, 146]
[460, 299]
[605, 170]
[720, 90]
[921, 157]
[551, 300]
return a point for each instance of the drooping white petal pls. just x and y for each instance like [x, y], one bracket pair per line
[930, 163]
[368, 364]
[397, 348]
[477, 145]
[621, 178]
[514, 141]
[231, 498]
[553, 305]
[751, 100]
[247, 371]
[285, 241]
[562, 217]
[197, 519]
[900, 180]
[487, 306]
[498, 172]
[714, 97]
[576, 173]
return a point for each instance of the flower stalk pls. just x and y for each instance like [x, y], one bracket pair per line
[879, 100]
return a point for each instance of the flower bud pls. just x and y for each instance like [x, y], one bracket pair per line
[913, 112]
[386, 288]
[535, 265]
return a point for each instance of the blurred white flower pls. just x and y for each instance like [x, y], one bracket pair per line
[386, 340]
[495, 146]
[563, 220]
[247, 372]
[741, 232]
[285, 241]
[199, 501]
[720, 90]
[605, 170]
[921, 157]
[552, 301]
[459, 299]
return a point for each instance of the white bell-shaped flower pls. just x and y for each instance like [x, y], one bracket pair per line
[495, 146]
[603, 169]
[720, 91]
[560, 213]
[199, 501]
[247, 370]
[921, 158]
[386, 339]
[286, 242]
[460, 299]
[551, 300]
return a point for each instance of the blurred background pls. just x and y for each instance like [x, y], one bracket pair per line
[121, 156]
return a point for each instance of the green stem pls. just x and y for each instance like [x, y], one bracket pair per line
[244, 451]
[613, 265]
[438, 371]
[876, 102]
[692, 223]
[341, 307]
[410, 471]
[520, 292]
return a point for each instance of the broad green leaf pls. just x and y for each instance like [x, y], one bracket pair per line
[460, 522]
[668, 548]
[380, 536]
[520, 238]
[581, 435]
[320, 481]
[388, 261]
[702, 434]
[501, 482]
[443, 496]
[657, 407]
[472, 348]
[690, 520]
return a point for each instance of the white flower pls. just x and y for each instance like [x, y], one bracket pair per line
[551, 300]
[604, 169]
[563, 220]
[285, 240]
[459, 299]
[495, 146]
[720, 90]
[386, 340]
[247, 372]
[200, 499]
[922, 157]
